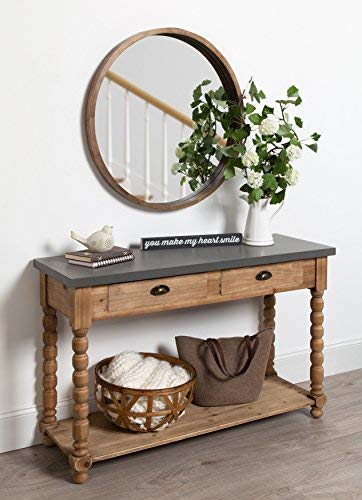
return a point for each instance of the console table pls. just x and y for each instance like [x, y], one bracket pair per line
[190, 278]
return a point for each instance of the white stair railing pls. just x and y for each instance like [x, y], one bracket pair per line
[147, 152]
[164, 158]
[127, 144]
[167, 111]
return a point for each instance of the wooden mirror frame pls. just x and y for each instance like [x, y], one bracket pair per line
[228, 80]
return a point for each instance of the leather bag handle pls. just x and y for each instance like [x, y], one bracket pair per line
[250, 346]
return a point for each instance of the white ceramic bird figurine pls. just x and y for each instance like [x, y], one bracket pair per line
[100, 241]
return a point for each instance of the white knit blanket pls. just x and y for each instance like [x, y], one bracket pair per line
[132, 369]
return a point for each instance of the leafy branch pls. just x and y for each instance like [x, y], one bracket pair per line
[261, 143]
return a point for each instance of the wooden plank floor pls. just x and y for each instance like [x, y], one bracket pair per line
[291, 456]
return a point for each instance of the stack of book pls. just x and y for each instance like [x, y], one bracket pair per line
[100, 259]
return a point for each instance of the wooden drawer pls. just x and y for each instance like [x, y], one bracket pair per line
[143, 294]
[283, 277]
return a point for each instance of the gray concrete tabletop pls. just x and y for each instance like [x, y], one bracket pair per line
[165, 263]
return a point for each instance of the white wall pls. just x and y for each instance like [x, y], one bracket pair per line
[50, 50]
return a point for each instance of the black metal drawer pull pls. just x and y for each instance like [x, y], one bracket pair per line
[159, 290]
[263, 275]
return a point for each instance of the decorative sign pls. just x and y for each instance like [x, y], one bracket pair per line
[191, 241]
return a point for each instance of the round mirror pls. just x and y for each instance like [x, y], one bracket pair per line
[139, 111]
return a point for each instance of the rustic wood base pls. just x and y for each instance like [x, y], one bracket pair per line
[108, 441]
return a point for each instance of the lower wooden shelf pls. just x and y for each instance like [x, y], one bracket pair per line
[108, 441]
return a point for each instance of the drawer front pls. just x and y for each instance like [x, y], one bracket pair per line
[157, 293]
[264, 280]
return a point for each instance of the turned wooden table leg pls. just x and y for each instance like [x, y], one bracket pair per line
[50, 351]
[80, 459]
[316, 356]
[269, 315]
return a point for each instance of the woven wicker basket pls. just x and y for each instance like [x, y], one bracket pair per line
[116, 402]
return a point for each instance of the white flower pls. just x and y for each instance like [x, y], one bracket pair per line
[292, 176]
[254, 179]
[250, 159]
[269, 126]
[294, 152]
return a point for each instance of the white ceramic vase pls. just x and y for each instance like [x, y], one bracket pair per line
[257, 231]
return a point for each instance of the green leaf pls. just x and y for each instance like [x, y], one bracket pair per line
[296, 101]
[220, 104]
[295, 142]
[229, 151]
[175, 168]
[193, 183]
[280, 167]
[313, 147]
[245, 188]
[229, 172]
[255, 119]
[315, 136]
[242, 133]
[220, 94]
[261, 94]
[253, 91]
[278, 197]
[293, 91]
[284, 131]
[298, 121]
[267, 110]
[283, 156]
[270, 182]
[249, 108]
[240, 148]
[219, 154]
[205, 82]
[255, 195]
[282, 183]
[197, 93]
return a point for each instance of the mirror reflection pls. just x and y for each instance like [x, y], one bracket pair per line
[143, 112]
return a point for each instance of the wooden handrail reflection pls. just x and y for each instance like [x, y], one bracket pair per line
[157, 103]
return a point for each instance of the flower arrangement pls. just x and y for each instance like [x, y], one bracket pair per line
[263, 142]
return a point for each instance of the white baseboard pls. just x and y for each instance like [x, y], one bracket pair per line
[338, 358]
[18, 428]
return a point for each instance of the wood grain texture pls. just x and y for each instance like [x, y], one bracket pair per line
[107, 441]
[81, 308]
[194, 290]
[321, 274]
[228, 80]
[316, 355]
[128, 296]
[286, 276]
[59, 296]
[269, 322]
